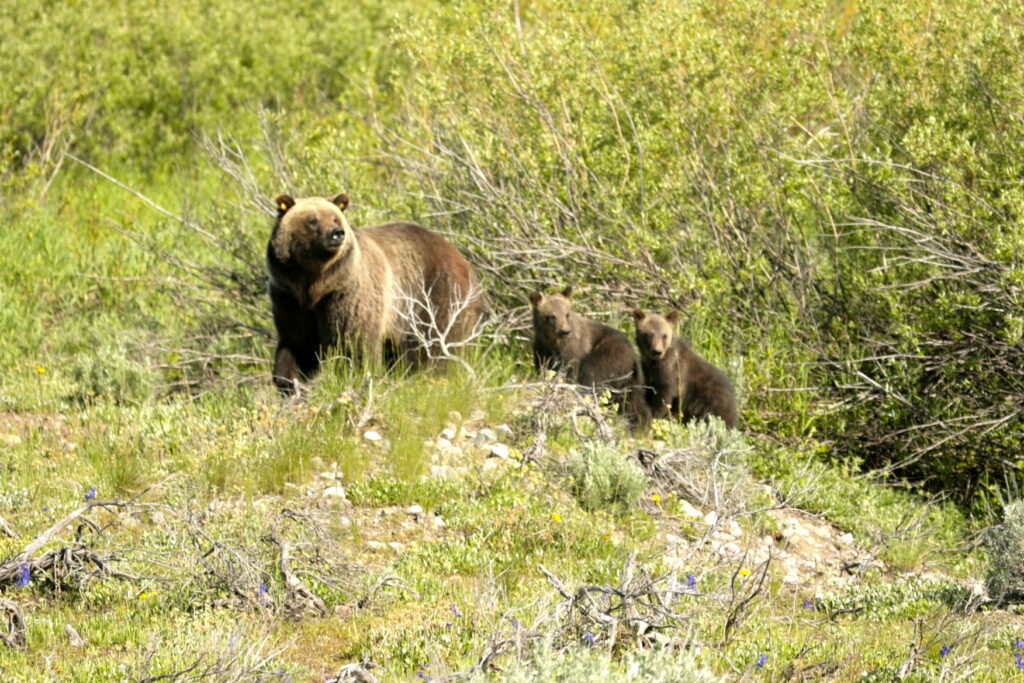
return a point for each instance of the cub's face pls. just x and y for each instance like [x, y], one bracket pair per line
[551, 315]
[310, 228]
[654, 333]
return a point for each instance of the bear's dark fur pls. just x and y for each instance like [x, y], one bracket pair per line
[679, 381]
[360, 290]
[590, 353]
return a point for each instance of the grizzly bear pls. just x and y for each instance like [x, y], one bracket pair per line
[679, 381]
[590, 353]
[396, 287]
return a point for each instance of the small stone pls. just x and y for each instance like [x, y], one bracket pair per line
[10, 439]
[846, 539]
[688, 510]
[74, 637]
[504, 430]
[674, 540]
[443, 471]
[372, 436]
[448, 433]
[344, 522]
[731, 548]
[790, 578]
[334, 492]
[498, 450]
[396, 546]
[317, 463]
[484, 437]
[414, 510]
[438, 523]
[375, 545]
[443, 443]
[735, 529]
[711, 518]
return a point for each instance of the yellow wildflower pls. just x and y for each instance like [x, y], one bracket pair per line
[744, 572]
[656, 498]
[40, 369]
[555, 516]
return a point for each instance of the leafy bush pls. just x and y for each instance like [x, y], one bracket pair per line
[589, 666]
[1006, 555]
[602, 478]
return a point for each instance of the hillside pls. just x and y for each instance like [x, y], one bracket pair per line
[828, 192]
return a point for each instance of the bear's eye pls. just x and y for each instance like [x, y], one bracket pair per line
[312, 221]
[646, 336]
[550, 318]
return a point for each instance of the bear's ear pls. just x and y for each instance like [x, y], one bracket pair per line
[535, 297]
[638, 314]
[283, 203]
[567, 292]
[672, 317]
[340, 200]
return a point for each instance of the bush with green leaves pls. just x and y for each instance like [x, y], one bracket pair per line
[597, 666]
[602, 478]
[1006, 555]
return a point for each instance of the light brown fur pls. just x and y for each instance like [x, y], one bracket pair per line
[679, 381]
[332, 286]
[589, 352]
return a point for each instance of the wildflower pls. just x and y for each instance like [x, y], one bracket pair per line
[455, 610]
[808, 604]
[762, 659]
[262, 593]
[24, 574]
[945, 650]
[691, 582]
[589, 638]
[90, 494]
[40, 369]
[555, 516]
[1020, 660]
[656, 498]
[744, 572]
[1019, 644]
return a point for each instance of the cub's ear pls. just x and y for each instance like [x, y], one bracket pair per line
[638, 315]
[340, 200]
[283, 203]
[567, 292]
[535, 297]
[672, 317]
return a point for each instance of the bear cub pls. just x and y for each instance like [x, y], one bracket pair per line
[679, 381]
[590, 353]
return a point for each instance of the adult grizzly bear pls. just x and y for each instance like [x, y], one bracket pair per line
[679, 381]
[396, 286]
[591, 353]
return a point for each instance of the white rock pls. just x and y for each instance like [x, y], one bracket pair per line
[504, 430]
[10, 439]
[790, 578]
[674, 540]
[448, 433]
[846, 539]
[688, 510]
[485, 436]
[711, 518]
[438, 522]
[344, 522]
[371, 435]
[735, 529]
[498, 450]
[334, 492]
[443, 443]
[414, 510]
[731, 548]
[443, 471]
[396, 546]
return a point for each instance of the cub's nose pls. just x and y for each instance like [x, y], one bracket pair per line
[336, 235]
[564, 333]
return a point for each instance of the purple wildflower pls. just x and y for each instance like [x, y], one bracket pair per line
[945, 650]
[455, 610]
[589, 638]
[1020, 660]
[90, 494]
[691, 582]
[262, 593]
[808, 604]
[24, 574]
[762, 659]
[1019, 644]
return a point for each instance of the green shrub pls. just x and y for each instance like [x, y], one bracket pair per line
[597, 666]
[603, 478]
[1006, 555]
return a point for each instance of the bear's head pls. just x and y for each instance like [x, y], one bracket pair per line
[654, 333]
[551, 315]
[310, 230]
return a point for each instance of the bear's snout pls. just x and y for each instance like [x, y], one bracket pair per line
[333, 239]
[564, 332]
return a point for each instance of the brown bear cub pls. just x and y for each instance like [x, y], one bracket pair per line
[396, 287]
[679, 381]
[590, 353]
